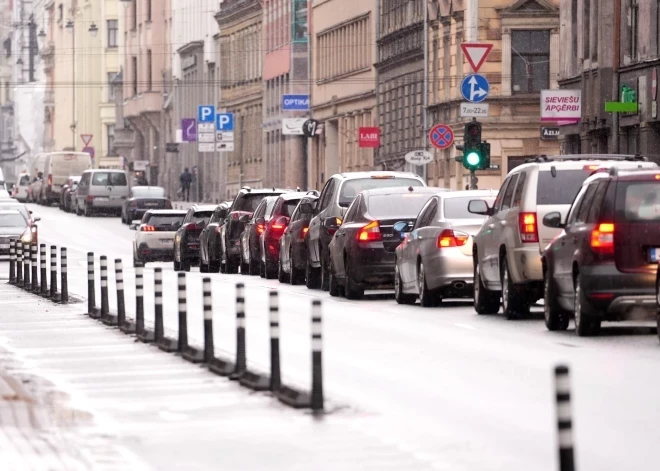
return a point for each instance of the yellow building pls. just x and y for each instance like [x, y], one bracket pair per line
[85, 35]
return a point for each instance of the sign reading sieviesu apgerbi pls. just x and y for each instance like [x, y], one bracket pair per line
[561, 105]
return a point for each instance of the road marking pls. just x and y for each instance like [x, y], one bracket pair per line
[25, 301]
[466, 326]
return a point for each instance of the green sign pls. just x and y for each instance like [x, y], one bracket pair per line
[628, 95]
[628, 103]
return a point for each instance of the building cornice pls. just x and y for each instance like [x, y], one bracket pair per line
[343, 100]
[190, 47]
[236, 10]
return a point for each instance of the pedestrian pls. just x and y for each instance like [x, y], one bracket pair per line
[186, 180]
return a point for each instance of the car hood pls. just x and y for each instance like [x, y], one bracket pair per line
[11, 231]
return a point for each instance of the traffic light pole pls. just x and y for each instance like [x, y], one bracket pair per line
[473, 180]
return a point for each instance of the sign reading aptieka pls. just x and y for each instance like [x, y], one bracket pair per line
[562, 106]
[369, 137]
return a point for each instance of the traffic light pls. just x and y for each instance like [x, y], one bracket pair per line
[473, 149]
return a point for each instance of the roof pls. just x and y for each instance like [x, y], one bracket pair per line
[352, 175]
[476, 193]
[181, 212]
[399, 190]
[113, 170]
[261, 191]
[11, 211]
[147, 187]
[294, 195]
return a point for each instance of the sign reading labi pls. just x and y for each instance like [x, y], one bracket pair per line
[369, 137]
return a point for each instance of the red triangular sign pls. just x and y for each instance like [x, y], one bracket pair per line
[86, 138]
[476, 54]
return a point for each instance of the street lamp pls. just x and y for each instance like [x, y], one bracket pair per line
[93, 30]
[42, 34]
[69, 25]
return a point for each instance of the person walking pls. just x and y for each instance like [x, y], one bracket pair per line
[186, 180]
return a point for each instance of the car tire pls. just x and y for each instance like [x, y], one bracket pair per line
[87, 211]
[245, 268]
[325, 275]
[587, 323]
[514, 305]
[203, 267]
[296, 276]
[334, 288]
[427, 298]
[312, 276]
[282, 276]
[185, 264]
[399, 295]
[556, 317]
[231, 267]
[254, 267]
[351, 289]
[214, 267]
[485, 300]
[177, 265]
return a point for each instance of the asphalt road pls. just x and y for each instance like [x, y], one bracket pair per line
[473, 392]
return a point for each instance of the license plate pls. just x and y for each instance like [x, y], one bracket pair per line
[4, 246]
[100, 199]
[654, 254]
[151, 205]
[167, 241]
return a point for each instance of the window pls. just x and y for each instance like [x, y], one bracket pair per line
[134, 15]
[111, 138]
[508, 195]
[518, 196]
[148, 10]
[594, 212]
[60, 12]
[113, 33]
[574, 34]
[353, 40]
[530, 60]
[109, 179]
[135, 75]
[634, 28]
[111, 87]
[500, 194]
[586, 203]
[149, 71]
[575, 207]
[560, 189]
[427, 213]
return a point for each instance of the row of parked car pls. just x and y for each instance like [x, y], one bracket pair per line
[581, 232]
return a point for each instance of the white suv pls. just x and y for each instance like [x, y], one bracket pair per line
[154, 239]
[507, 249]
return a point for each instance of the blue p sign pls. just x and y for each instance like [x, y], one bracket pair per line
[206, 113]
[224, 122]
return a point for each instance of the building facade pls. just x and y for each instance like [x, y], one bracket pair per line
[343, 85]
[7, 150]
[524, 60]
[239, 48]
[609, 48]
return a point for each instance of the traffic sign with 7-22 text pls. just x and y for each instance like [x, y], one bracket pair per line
[441, 136]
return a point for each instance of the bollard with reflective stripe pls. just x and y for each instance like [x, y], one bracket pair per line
[35, 268]
[158, 304]
[241, 360]
[317, 359]
[564, 419]
[26, 266]
[12, 261]
[139, 300]
[275, 376]
[208, 320]
[183, 312]
[44, 270]
[53, 272]
[19, 263]
[91, 288]
[165, 343]
[64, 274]
[105, 308]
[119, 285]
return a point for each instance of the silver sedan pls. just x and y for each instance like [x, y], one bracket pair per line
[434, 260]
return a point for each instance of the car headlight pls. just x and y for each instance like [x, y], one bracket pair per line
[26, 238]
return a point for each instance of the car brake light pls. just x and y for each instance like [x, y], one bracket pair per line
[449, 238]
[591, 168]
[50, 180]
[260, 228]
[90, 198]
[304, 231]
[382, 177]
[281, 223]
[193, 227]
[529, 231]
[602, 238]
[370, 233]
[146, 228]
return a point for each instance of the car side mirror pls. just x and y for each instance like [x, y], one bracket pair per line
[480, 207]
[244, 219]
[402, 226]
[331, 224]
[553, 220]
[306, 208]
[133, 227]
[260, 220]
[37, 219]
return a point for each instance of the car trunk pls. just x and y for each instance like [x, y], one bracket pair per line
[152, 203]
[390, 238]
[470, 227]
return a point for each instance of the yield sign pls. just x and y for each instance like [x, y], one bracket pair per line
[476, 53]
[87, 138]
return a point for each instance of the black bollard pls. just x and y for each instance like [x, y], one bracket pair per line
[53, 272]
[119, 285]
[44, 271]
[105, 308]
[12, 261]
[139, 300]
[564, 419]
[19, 263]
[241, 360]
[167, 344]
[317, 359]
[27, 265]
[183, 313]
[275, 375]
[35, 268]
[209, 350]
[64, 274]
[91, 288]
[158, 304]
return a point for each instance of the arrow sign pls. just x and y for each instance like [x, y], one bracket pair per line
[476, 53]
[475, 88]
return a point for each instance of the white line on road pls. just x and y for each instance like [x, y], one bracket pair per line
[466, 326]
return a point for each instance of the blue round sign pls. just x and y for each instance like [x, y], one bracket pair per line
[475, 88]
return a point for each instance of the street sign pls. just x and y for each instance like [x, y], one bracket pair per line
[441, 136]
[140, 165]
[206, 137]
[293, 126]
[549, 133]
[224, 136]
[475, 88]
[206, 113]
[89, 150]
[476, 54]
[295, 102]
[172, 147]
[474, 110]
[224, 122]
[224, 146]
[309, 128]
[206, 147]
[86, 138]
[189, 130]
[369, 137]
[206, 127]
[419, 157]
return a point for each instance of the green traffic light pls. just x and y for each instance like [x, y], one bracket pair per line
[473, 159]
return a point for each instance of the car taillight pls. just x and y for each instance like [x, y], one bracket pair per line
[602, 238]
[449, 238]
[281, 223]
[529, 231]
[193, 227]
[260, 229]
[148, 228]
[304, 231]
[370, 233]
[50, 180]
[90, 198]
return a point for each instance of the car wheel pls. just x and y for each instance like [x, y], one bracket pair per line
[312, 276]
[231, 267]
[254, 266]
[282, 276]
[185, 264]
[214, 267]
[245, 268]
[325, 274]
[203, 267]
[427, 298]
[485, 300]
[351, 289]
[399, 295]
[587, 324]
[514, 305]
[296, 276]
[87, 211]
[177, 265]
[556, 317]
[333, 287]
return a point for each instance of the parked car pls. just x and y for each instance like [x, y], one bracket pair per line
[210, 246]
[12, 204]
[251, 237]
[101, 190]
[434, 260]
[293, 248]
[141, 199]
[154, 239]
[58, 167]
[337, 195]
[362, 248]
[186, 240]
[14, 225]
[66, 190]
[20, 191]
[507, 249]
[240, 213]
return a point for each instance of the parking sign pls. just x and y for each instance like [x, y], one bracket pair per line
[224, 122]
[206, 113]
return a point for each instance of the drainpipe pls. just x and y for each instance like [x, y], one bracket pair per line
[425, 88]
[616, 44]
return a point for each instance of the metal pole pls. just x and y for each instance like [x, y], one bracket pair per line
[53, 272]
[44, 270]
[139, 300]
[425, 88]
[91, 289]
[317, 357]
[19, 263]
[119, 286]
[158, 304]
[27, 266]
[12, 261]
[275, 375]
[73, 87]
[105, 308]
[183, 313]
[241, 362]
[35, 269]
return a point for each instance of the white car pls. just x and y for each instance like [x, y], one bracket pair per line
[21, 188]
[154, 239]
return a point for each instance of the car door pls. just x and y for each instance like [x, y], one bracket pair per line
[181, 231]
[339, 240]
[489, 235]
[413, 242]
[316, 224]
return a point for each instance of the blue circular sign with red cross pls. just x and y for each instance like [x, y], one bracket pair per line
[441, 136]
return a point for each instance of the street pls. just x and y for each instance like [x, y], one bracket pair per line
[452, 389]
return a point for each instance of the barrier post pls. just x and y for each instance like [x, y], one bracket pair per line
[91, 288]
[139, 300]
[53, 272]
[35, 268]
[564, 419]
[119, 286]
[183, 312]
[26, 266]
[19, 263]
[275, 375]
[317, 359]
[105, 308]
[12, 261]
[208, 320]
[158, 304]
[64, 295]
[241, 360]
[44, 270]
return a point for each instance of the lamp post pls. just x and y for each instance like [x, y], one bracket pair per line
[70, 25]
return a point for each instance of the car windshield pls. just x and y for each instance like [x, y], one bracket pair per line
[352, 188]
[561, 189]
[397, 205]
[12, 220]
[163, 221]
[15, 207]
[638, 201]
[202, 217]
[457, 208]
[109, 179]
[288, 207]
[145, 192]
[249, 202]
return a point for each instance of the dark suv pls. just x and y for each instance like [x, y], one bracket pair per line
[603, 265]
[239, 215]
[186, 240]
[337, 195]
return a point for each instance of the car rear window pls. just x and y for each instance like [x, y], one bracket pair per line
[398, 205]
[561, 189]
[351, 188]
[109, 179]
[12, 220]
[202, 217]
[638, 201]
[163, 221]
[457, 208]
[156, 192]
[249, 202]
[25, 180]
[288, 207]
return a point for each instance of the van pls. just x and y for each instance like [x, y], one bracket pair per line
[101, 190]
[58, 167]
[21, 188]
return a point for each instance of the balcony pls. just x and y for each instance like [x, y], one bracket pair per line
[147, 102]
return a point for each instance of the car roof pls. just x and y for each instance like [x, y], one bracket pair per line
[9, 211]
[357, 175]
[204, 207]
[398, 190]
[112, 170]
[163, 212]
[464, 193]
[293, 195]
[260, 191]
[146, 187]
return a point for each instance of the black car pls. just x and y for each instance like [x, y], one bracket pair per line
[362, 250]
[240, 213]
[141, 199]
[293, 249]
[251, 237]
[603, 265]
[186, 240]
[210, 247]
